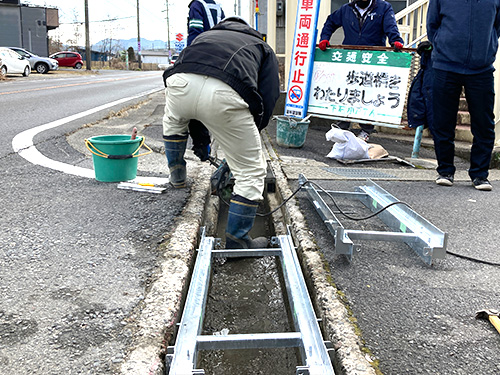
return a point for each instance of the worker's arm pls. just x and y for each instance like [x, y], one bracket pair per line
[332, 23]
[195, 21]
[391, 29]
[269, 87]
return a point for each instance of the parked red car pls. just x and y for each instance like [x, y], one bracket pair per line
[68, 58]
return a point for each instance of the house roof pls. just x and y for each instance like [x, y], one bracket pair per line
[154, 53]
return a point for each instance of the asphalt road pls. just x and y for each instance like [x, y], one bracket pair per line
[43, 98]
[76, 255]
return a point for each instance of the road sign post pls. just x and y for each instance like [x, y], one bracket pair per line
[302, 58]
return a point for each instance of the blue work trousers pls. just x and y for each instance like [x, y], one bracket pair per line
[480, 95]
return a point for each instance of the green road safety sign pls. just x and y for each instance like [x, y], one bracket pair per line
[365, 85]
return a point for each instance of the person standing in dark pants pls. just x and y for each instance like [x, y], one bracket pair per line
[203, 15]
[464, 34]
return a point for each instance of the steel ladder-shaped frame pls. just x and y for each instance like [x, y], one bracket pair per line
[426, 240]
[181, 359]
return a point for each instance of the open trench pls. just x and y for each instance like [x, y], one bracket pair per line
[246, 295]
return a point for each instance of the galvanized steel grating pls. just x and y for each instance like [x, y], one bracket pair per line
[428, 242]
[181, 359]
[359, 172]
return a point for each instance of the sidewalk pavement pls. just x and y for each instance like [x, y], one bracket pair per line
[338, 308]
[408, 318]
[311, 158]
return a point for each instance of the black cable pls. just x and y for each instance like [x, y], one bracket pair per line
[473, 259]
[357, 218]
[333, 200]
[273, 211]
[285, 201]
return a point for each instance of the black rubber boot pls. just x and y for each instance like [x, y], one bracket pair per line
[175, 147]
[240, 219]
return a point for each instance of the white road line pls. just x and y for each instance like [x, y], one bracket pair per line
[23, 142]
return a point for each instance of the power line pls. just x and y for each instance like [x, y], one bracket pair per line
[107, 20]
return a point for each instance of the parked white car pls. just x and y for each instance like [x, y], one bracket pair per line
[12, 63]
[40, 64]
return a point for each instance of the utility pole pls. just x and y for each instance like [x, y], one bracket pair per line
[138, 38]
[168, 32]
[88, 52]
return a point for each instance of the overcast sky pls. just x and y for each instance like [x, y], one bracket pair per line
[152, 15]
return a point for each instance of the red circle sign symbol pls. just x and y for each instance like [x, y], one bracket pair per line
[295, 94]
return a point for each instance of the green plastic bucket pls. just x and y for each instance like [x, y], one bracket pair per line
[291, 133]
[115, 156]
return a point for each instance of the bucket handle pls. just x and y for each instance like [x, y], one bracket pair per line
[292, 121]
[94, 150]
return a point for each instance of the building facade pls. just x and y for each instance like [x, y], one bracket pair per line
[26, 26]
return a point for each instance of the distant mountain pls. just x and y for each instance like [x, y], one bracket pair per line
[146, 44]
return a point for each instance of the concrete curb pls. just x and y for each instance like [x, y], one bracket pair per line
[349, 358]
[160, 311]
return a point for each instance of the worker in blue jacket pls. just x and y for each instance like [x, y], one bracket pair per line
[464, 35]
[203, 15]
[365, 23]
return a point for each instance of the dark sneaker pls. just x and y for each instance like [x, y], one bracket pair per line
[445, 180]
[482, 184]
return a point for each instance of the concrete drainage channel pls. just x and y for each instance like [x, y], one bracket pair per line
[246, 295]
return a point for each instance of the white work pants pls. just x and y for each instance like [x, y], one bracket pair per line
[227, 117]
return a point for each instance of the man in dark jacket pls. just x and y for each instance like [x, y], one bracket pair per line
[365, 23]
[464, 34]
[228, 79]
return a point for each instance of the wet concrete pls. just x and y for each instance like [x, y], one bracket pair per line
[246, 297]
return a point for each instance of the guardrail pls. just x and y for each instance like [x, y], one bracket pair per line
[412, 23]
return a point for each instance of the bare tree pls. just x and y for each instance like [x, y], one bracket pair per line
[55, 45]
[109, 45]
[73, 43]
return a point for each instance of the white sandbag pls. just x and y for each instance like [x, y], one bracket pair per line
[347, 146]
